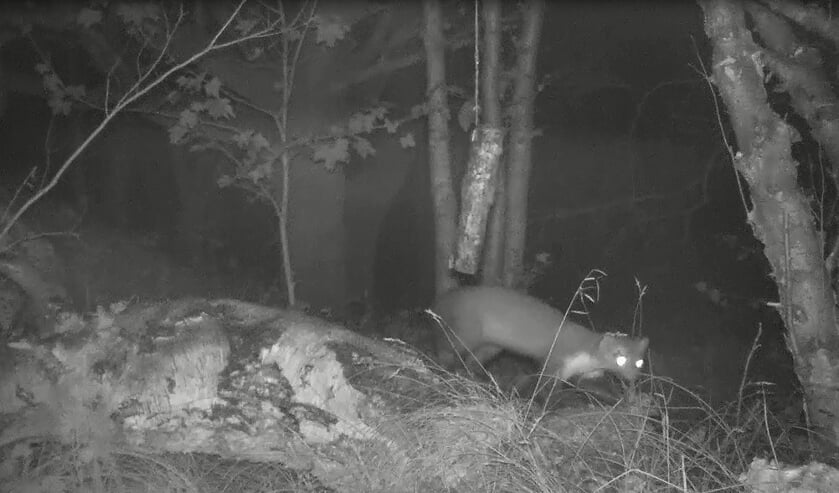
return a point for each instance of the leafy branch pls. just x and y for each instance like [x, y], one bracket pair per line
[61, 93]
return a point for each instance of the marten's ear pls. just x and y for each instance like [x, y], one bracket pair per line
[643, 344]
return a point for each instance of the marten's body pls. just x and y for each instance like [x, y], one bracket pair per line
[485, 320]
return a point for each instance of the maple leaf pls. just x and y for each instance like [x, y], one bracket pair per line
[332, 153]
[200, 146]
[361, 122]
[418, 110]
[135, 14]
[363, 147]
[329, 31]
[245, 26]
[379, 111]
[242, 138]
[188, 118]
[191, 83]
[219, 108]
[212, 87]
[88, 17]
[407, 141]
[258, 141]
[59, 105]
[261, 171]
[391, 126]
[177, 133]
[77, 92]
[52, 83]
[224, 181]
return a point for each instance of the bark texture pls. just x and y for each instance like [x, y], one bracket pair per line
[490, 114]
[800, 68]
[519, 157]
[442, 192]
[228, 378]
[780, 216]
[477, 196]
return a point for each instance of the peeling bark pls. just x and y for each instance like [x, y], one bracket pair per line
[477, 195]
[222, 377]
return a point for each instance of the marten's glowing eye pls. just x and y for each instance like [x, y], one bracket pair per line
[620, 360]
[639, 364]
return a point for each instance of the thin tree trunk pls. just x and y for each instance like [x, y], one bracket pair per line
[520, 149]
[442, 192]
[282, 222]
[781, 216]
[281, 208]
[493, 261]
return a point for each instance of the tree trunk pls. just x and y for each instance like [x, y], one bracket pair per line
[442, 192]
[800, 69]
[781, 216]
[521, 135]
[493, 261]
[480, 237]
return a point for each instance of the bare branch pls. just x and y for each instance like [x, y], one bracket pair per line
[130, 97]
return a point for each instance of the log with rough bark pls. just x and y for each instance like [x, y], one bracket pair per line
[223, 377]
[477, 196]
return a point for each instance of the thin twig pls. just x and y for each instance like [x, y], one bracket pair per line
[720, 125]
[752, 351]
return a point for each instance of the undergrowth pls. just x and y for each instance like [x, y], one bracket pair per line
[470, 437]
[456, 435]
[484, 440]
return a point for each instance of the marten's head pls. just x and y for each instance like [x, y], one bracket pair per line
[622, 354]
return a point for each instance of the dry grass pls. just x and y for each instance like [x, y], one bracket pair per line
[470, 437]
[486, 441]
